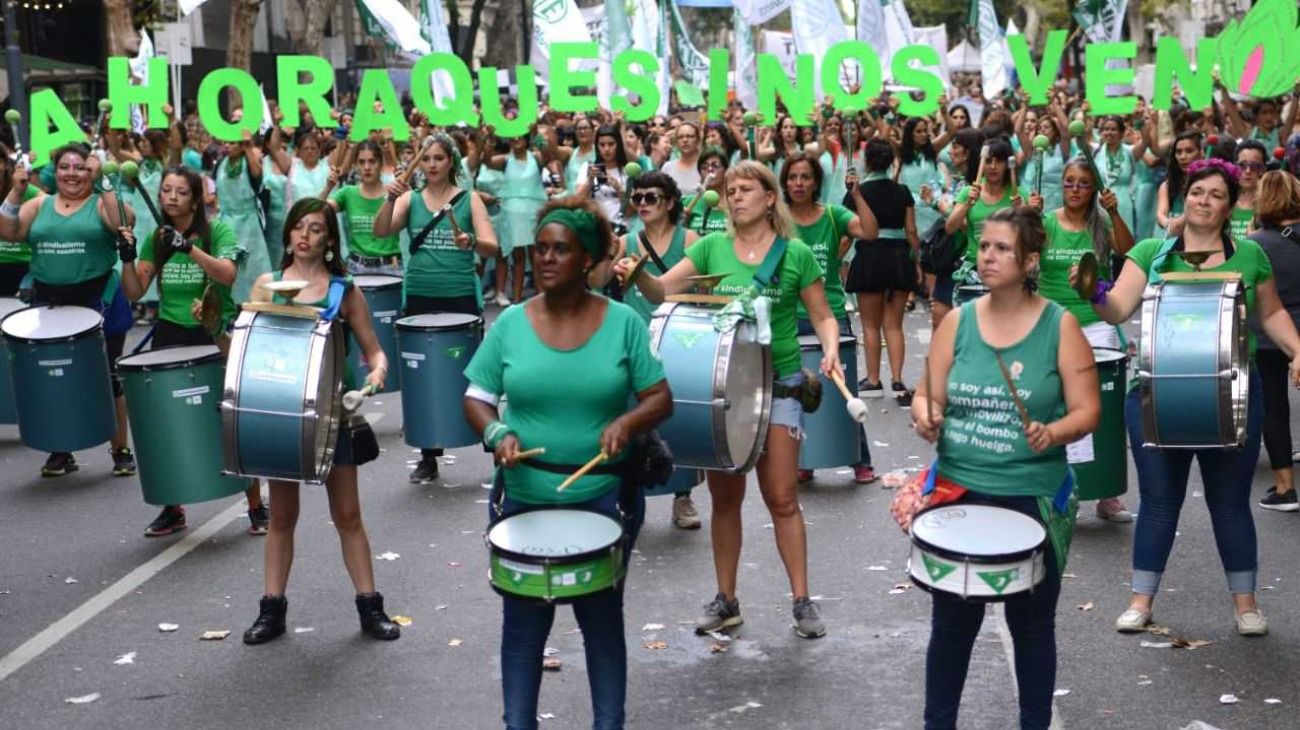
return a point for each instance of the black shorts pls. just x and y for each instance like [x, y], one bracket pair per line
[11, 278]
[170, 334]
[881, 266]
[416, 304]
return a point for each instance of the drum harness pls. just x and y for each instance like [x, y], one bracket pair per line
[438, 215]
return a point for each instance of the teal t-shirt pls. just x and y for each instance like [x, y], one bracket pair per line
[1248, 259]
[564, 399]
[675, 253]
[823, 237]
[438, 268]
[182, 280]
[69, 249]
[360, 212]
[982, 445]
[1063, 251]
[716, 254]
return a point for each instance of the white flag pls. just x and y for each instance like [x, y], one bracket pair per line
[746, 63]
[189, 6]
[757, 12]
[695, 65]
[556, 21]
[648, 35]
[871, 30]
[434, 30]
[898, 26]
[391, 20]
[817, 26]
[993, 65]
[140, 70]
[1101, 20]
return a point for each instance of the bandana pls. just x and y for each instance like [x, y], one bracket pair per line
[581, 222]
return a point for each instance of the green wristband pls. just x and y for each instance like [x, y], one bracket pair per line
[495, 433]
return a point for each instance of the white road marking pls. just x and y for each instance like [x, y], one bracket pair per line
[1004, 632]
[60, 629]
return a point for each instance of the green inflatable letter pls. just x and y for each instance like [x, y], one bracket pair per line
[719, 62]
[288, 74]
[1098, 77]
[929, 83]
[1171, 64]
[210, 108]
[1037, 81]
[563, 79]
[643, 84]
[458, 109]
[47, 110]
[152, 95]
[772, 81]
[867, 60]
[492, 114]
[376, 87]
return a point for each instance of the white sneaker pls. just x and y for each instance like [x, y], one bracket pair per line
[1252, 623]
[502, 300]
[1132, 621]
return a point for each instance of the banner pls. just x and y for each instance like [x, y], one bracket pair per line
[871, 30]
[556, 21]
[817, 26]
[433, 28]
[936, 37]
[390, 20]
[746, 63]
[618, 38]
[780, 43]
[898, 28]
[757, 12]
[695, 65]
[992, 51]
[1101, 20]
[189, 6]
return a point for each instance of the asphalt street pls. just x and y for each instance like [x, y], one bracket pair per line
[82, 595]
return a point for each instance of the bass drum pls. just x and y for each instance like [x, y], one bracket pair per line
[8, 411]
[434, 350]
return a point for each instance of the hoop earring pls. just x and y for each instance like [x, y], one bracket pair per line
[329, 256]
[288, 250]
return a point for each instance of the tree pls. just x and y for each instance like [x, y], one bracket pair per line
[506, 31]
[463, 43]
[305, 21]
[243, 18]
[119, 16]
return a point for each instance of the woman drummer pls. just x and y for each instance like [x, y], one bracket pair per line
[999, 461]
[1090, 221]
[980, 199]
[1211, 193]
[312, 255]
[569, 360]
[359, 204]
[73, 235]
[828, 230]
[198, 260]
[440, 272]
[759, 221]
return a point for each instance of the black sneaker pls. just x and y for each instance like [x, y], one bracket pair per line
[1280, 502]
[171, 519]
[425, 472]
[901, 394]
[870, 390]
[807, 619]
[123, 462]
[719, 614]
[259, 519]
[59, 463]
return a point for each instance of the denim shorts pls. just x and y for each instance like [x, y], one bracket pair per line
[788, 412]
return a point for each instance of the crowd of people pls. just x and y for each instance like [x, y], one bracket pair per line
[980, 213]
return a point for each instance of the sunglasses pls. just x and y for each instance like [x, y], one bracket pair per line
[646, 198]
[1076, 186]
[1253, 166]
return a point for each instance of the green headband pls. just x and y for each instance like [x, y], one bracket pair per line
[581, 222]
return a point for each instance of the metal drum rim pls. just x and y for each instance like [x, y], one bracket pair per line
[124, 366]
[584, 556]
[88, 332]
[396, 281]
[405, 323]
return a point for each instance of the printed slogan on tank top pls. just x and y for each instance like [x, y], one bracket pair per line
[984, 417]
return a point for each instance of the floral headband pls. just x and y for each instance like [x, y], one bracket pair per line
[1228, 168]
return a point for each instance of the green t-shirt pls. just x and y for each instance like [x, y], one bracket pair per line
[182, 280]
[982, 445]
[360, 212]
[1240, 222]
[1248, 259]
[703, 220]
[564, 399]
[18, 252]
[975, 217]
[70, 249]
[438, 268]
[823, 237]
[1063, 251]
[715, 254]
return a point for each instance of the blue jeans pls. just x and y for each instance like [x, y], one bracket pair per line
[806, 328]
[526, 624]
[1031, 617]
[1162, 483]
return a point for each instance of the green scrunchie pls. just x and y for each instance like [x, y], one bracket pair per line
[581, 222]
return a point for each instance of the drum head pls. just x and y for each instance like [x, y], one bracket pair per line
[9, 305]
[170, 357]
[435, 322]
[50, 323]
[1107, 355]
[810, 342]
[376, 281]
[555, 533]
[978, 531]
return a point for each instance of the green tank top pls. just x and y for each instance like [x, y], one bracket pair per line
[70, 249]
[438, 268]
[676, 252]
[983, 444]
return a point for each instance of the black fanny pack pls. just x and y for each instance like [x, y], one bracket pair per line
[808, 393]
[649, 463]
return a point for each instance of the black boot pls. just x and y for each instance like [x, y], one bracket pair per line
[374, 622]
[270, 622]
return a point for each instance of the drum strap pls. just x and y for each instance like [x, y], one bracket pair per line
[605, 469]
[418, 241]
[1175, 243]
[334, 300]
[650, 251]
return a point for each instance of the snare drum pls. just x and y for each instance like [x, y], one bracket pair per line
[1100, 459]
[62, 389]
[171, 396]
[555, 555]
[1193, 364]
[722, 388]
[280, 404]
[831, 436]
[434, 350]
[8, 413]
[383, 295]
[977, 552]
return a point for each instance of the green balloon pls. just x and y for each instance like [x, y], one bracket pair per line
[710, 198]
[130, 170]
[1076, 128]
[632, 169]
[105, 105]
[13, 116]
[109, 168]
[1041, 142]
[751, 119]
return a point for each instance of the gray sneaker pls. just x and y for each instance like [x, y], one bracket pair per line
[719, 614]
[807, 619]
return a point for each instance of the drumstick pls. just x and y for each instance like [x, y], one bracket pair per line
[530, 453]
[708, 179]
[1015, 394]
[984, 158]
[929, 395]
[854, 405]
[409, 172]
[451, 218]
[575, 476]
[353, 398]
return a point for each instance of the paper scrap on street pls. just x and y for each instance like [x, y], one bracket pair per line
[84, 699]
[168, 628]
[214, 635]
[127, 658]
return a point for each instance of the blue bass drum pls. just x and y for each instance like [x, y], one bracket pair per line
[59, 370]
[8, 412]
[384, 299]
[280, 406]
[434, 350]
[830, 434]
[1193, 365]
[722, 388]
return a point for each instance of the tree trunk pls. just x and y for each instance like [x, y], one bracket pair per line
[243, 19]
[1137, 31]
[123, 40]
[1032, 22]
[305, 20]
[466, 51]
[504, 31]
